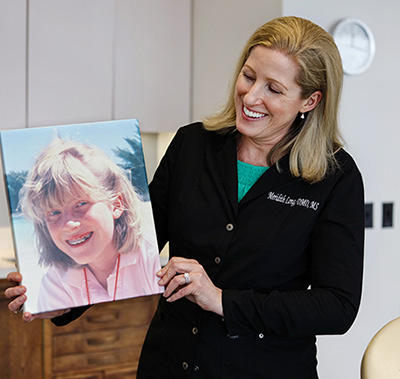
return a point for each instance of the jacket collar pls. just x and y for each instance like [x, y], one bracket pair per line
[227, 166]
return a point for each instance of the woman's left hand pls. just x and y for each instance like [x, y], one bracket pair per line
[187, 278]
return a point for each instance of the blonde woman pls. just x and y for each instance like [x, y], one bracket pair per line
[264, 213]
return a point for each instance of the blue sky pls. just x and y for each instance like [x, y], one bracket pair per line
[21, 147]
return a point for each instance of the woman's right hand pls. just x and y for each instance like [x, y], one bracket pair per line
[18, 295]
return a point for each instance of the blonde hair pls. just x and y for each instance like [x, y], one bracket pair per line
[312, 142]
[68, 169]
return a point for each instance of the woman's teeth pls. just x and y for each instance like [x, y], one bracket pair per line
[79, 240]
[252, 114]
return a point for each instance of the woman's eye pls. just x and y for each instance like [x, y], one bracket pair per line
[273, 90]
[247, 76]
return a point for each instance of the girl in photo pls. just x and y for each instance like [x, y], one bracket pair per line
[90, 229]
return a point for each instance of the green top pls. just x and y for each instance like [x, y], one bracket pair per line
[247, 176]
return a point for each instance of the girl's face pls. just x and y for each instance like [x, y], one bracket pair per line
[84, 229]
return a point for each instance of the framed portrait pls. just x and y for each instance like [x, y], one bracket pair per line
[80, 212]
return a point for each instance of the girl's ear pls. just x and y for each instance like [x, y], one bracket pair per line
[117, 207]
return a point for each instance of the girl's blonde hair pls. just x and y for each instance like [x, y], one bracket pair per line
[312, 142]
[68, 169]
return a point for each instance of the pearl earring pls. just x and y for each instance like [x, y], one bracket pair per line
[302, 116]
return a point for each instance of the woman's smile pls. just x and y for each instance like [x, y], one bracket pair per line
[252, 114]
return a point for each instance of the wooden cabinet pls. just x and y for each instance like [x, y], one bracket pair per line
[20, 343]
[104, 343]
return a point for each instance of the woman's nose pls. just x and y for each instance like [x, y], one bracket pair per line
[253, 95]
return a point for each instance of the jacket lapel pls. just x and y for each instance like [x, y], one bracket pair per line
[226, 159]
[227, 166]
[270, 180]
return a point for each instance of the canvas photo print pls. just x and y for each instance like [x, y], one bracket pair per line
[81, 216]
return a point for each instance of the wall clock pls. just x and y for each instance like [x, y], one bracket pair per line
[356, 45]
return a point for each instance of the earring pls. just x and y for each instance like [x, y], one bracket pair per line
[302, 116]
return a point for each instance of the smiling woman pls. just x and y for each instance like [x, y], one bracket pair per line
[267, 101]
[261, 260]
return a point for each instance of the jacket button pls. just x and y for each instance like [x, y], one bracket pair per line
[261, 336]
[195, 330]
[217, 260]
[229, 227]
[185, 366]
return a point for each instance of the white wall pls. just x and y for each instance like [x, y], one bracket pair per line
[369, 120]
[220, 30]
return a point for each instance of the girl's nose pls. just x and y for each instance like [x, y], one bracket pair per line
[71, 225]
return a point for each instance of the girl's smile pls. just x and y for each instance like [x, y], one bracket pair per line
[80, 240]
[84, 230]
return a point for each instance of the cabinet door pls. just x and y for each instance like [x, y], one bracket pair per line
[70, 61]
[12, 63]
[152, 75]
[20, 343]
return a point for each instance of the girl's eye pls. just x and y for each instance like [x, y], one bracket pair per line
[52, 216]
[81, 204]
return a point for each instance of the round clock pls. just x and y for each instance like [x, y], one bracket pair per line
[356, 45]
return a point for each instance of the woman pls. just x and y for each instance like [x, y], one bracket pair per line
[264, 211]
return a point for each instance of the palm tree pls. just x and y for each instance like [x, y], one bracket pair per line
[15, 181]
[134, 165]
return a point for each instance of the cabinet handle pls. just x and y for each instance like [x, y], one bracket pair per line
[102, 340]
[109, 359]
[103, 317]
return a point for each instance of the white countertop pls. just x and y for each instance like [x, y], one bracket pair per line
[7, 261]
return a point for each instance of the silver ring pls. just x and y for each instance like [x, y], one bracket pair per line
[19, 310]
[187, 277]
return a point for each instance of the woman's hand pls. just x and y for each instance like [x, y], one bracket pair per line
[18, 294]
[187, 278]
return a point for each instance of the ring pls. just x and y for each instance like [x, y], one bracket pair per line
[187, 277]
[19, 310]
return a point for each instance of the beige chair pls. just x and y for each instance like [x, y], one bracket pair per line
[381, 359]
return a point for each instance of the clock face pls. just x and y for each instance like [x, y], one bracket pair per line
[356, 44]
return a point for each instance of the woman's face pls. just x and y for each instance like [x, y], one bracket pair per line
[267, 97]
[84, 230]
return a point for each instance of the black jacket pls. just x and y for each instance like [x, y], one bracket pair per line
[288, 258]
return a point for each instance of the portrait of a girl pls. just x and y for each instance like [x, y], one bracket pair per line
[90, 226]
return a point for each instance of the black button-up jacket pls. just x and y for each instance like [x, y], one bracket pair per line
[288, 258]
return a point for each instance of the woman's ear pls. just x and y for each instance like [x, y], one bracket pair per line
[117, 207]
[311, 102]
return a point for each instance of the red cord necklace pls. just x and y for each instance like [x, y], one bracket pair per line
[116, 281]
